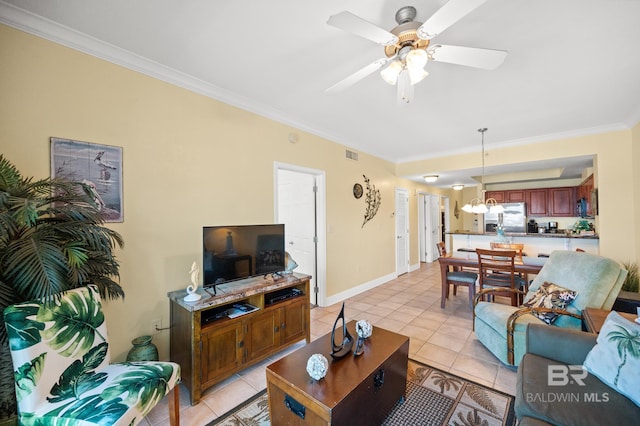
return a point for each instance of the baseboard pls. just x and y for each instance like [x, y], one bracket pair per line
[354, 291]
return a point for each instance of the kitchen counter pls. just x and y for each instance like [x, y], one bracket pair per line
[534, 244]
[536, 235]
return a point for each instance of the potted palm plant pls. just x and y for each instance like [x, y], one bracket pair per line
[52, 239]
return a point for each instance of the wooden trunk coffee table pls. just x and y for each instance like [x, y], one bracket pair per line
[356, 390]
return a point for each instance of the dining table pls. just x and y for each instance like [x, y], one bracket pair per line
[469, 260]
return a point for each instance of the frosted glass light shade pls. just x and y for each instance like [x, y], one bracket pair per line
[390, 73]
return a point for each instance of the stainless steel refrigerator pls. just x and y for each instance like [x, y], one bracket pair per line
[514, 218]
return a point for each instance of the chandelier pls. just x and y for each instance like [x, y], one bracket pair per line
[481, 206]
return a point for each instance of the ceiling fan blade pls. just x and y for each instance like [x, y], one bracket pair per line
[487, 59]
[349, 22]
[357, 76]
[446, 16]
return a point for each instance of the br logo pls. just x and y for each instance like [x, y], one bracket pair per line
[562, 375]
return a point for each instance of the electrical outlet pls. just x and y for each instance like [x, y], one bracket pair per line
[156, 325]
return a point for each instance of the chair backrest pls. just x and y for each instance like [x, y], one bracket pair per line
[496, 261]
[519, 248]
[442, 250]
[47, 338]
[596, 279]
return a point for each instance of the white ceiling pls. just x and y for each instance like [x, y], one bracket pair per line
[572, 66]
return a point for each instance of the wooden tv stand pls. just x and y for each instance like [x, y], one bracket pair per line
[210, 348]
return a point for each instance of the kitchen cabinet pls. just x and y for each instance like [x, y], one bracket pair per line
[511, 196]
[548, 202]
[585, 190]
[562, 201]
[499, 196]
[515, 196]
[537, 202]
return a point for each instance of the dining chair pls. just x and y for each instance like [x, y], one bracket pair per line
[519, 248]
[497, 270]
[456, 278]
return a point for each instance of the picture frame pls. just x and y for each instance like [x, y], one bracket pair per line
[97, 165]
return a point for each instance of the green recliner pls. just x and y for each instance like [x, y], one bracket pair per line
[596, 279]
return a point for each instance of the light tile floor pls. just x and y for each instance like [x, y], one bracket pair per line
[410, 305]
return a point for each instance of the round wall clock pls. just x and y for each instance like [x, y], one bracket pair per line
[357, 190]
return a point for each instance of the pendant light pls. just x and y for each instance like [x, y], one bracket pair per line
[480, 206]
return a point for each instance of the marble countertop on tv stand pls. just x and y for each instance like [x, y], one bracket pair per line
[233, 291]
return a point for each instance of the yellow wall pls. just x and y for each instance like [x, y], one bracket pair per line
[634, 191]
[189, 161]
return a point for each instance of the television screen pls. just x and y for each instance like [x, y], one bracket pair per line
[236, 252]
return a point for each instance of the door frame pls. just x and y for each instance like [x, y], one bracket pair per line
[405, 193]
[321, 222]
[427, 203]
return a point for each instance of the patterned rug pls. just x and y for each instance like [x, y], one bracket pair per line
[433, 397]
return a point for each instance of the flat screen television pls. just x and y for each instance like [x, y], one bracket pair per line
[235, 252]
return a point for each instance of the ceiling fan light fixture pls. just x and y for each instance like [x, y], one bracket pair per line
[405, 88]
[391, 72]
[417, 59]
[417, 75]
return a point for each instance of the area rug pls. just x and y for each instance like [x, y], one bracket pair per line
[433, 397]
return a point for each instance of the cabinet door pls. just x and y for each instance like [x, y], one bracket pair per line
[499, 196]
[516, 196]
[562, 201]
[294, 326]
[586, 191]
[221, 351]
[263, 333]
[537, 202]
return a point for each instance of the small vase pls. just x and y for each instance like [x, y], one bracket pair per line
[500, 237]
[143, 350]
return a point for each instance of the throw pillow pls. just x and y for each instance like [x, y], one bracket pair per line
[550, 295]
[615, 359]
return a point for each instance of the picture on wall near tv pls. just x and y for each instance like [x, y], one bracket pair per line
[235, 252]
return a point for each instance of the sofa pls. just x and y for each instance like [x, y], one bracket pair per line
[573, 397]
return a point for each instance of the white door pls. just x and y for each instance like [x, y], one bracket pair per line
[402, 231]
[296, 209]
[444, 202]
[432, 225]
[429, 210]
[422, 227]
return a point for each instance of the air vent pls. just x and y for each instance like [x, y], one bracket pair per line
[352, 155]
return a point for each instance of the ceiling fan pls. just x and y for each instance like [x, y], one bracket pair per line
[408, 47]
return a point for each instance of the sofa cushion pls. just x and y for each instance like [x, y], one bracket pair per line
[615, 359]
[587, 401]
[549, 295]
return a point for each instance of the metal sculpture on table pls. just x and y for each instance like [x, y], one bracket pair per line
[364, 330]
[339, 351]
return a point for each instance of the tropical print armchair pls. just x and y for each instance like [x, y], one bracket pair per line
[63, 374]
